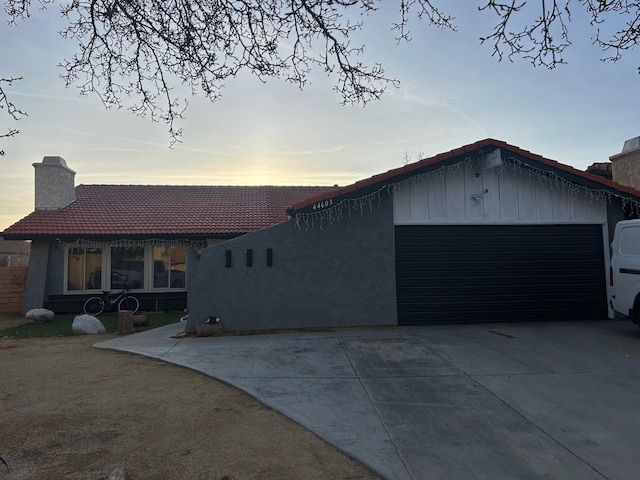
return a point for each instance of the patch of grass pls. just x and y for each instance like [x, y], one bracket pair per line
[61, 325]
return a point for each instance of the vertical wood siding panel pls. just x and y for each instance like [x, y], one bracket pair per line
[544, 201]
[561, 210]
[578, 208]
[508, 195]
[419, 198]
[596, 209]
[402, 203]
[473, 186]
[455, 193]
[436, 195]
[526, 198]
[491, 202]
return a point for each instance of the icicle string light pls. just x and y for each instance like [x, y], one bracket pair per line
[348, 205]
[336, 211]
[128, 243]
[550, 178]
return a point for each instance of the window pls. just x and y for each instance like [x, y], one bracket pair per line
[145, 268]
[84, 266]
[630, 240]
[169, 267]
[127, 268]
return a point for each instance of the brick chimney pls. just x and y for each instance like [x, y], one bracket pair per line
[55, 184]
[625, 166]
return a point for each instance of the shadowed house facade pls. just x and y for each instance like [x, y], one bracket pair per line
[486, 232]
[146, 238]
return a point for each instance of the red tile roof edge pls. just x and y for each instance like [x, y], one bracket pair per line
[238, 210]
[387, 177]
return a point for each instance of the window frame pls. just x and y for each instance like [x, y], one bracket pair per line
[67, 252]
[106, 249]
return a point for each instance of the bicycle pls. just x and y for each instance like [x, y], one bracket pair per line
[96, 305]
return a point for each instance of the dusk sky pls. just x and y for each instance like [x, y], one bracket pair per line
[452, 92]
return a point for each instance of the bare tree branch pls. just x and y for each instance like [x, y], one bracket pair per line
[145, 49]
[140, 54]
[8, 107]
[542, 41]
[424, 9]
[611, 11]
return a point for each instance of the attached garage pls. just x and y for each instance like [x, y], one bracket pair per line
[488, 273]
[493, 239]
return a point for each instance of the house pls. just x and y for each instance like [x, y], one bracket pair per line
[485, 232]
[143, 237]
[14, 253]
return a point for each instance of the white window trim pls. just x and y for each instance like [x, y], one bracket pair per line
[106, 267]
[65, 279]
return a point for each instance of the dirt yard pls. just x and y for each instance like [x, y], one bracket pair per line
[70, 411]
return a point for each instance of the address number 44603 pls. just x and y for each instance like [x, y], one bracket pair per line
[323, 204]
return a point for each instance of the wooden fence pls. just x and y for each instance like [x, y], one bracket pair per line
[12, 284]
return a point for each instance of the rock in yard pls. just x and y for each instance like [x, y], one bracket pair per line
[40, 315]
[87, 325]
[140, 321]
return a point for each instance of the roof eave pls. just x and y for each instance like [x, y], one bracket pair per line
[376, 182]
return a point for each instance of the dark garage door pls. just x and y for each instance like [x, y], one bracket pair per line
[470, 273]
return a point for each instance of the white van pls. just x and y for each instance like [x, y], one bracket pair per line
[625, 271]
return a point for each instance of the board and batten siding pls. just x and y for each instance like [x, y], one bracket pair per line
[470, 194]
[508, 201]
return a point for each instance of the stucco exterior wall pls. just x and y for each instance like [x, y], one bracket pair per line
[340, 275]
[46, 273]
[34, 294]
[625, 168]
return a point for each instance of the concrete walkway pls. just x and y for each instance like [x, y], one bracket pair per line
[488, 401]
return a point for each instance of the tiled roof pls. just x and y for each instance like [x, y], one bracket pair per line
[164, 210]
[398, 174]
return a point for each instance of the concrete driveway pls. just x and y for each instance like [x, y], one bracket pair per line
[489, 401]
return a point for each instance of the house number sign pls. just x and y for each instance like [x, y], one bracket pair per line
[323, 204]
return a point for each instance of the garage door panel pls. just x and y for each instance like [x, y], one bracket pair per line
[465, 291]
[472, 297]
[499, 273]
[489, 308]
[496, 249]
[504, 312]
[508, 275]
[505, 252]
[442, 267]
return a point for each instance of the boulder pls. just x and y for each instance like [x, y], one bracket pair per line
[40, 315]
[87, 325]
